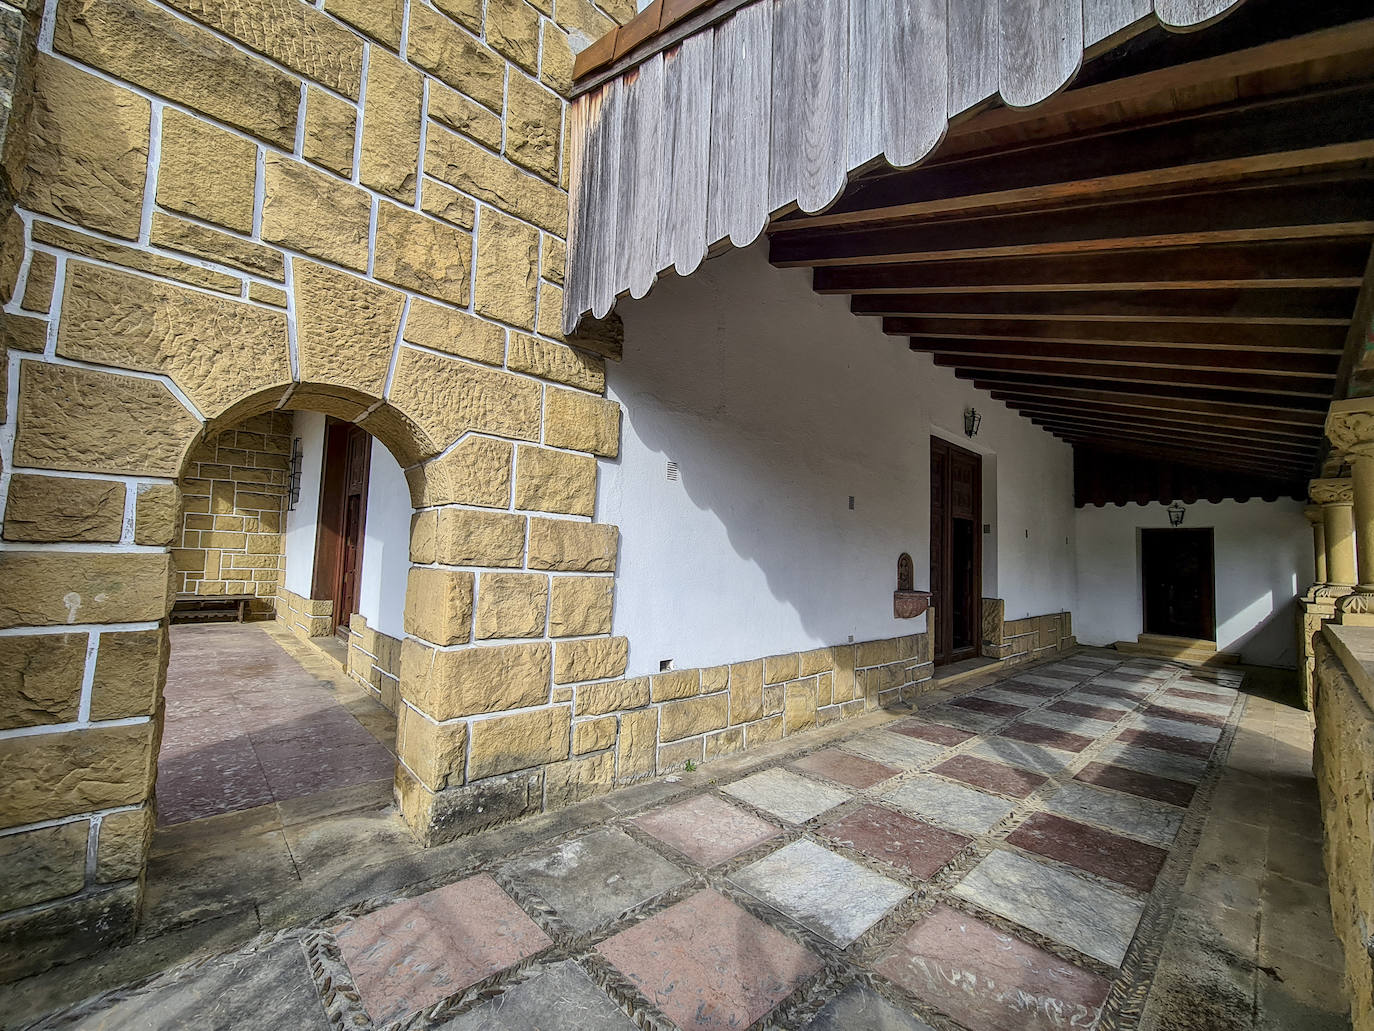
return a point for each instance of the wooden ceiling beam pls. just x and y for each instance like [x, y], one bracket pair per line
[1316, 387]
[1322, 127]
[1288, 411]
[1303, 264]
[1180, 421]
[1237, 442]
[1315, 207]
[1159, 393]
[1311, 340]
[1155, 308]
[1183, 359]
[1200, 457]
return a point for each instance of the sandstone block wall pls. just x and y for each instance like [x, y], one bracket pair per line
[374, 660]
[304, 617]
[235, 493]
[1025, 639]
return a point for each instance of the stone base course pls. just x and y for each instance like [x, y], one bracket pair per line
[1022, 640]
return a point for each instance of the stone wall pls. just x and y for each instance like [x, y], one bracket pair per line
[1025, 639]
[304, 617]
[374, 660]
[235, 493]
[1343, 759]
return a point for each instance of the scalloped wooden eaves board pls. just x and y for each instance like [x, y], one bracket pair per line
[773, 108]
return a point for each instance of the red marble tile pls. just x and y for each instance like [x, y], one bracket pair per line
[1005, 780]
[910, 845]
[1166, 742]
[1036, 734]
[1092, 712]
[989, 980]
[1124, 860]
[989, 706]
[932, 732]
[845, 768]
[1133, 782]
[707, 964]
[706, 829]
[1199, 696]
[414, 953]
[1206, 719]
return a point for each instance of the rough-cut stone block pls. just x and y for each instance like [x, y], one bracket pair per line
[455, 332]
[439, 605]
[441, 48]
[87, 156]
[434, 752]
[578, 779]
[556, 362]
[780, 668]
[62, 508]
[436, 817]
[43, 864]
[392, 111]
[571, 546]
[176, 234]
[464, 116]
[581, 422]
[516, 742]
[130, 669]
[468, 538]
[799, 706]
[206, 172]
[308, 211]
[532, 125]
[122, 846]
[23, 334]
[267, 294]
[138, 259]
[555, 481]
[512, 605]
[512, 29]
[218, 351]
[746, 691]
[594, 735]
[677, 683]
[40, 679]
[481, 174]
[157, 507]
[677, 754]
[48, 776]
[446, 398]
[447, 203]
[637, 747]
[507, 270]
[346, 328]
[380, 19]
[613, 696]
[447, 684]
[143, 44]
[49, 588]
[556, 66]
[595, 658]
[581, 605]
[690, 716]
[41, 279]
[762, 731]
[422, 254]
[35, 939]
[329, 131]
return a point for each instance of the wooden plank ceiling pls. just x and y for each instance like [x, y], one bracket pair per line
[1159, 265]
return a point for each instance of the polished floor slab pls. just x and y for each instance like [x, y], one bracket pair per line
[786, 795]
[706, 829]
[1155, 822]
[916, 848]
[950, 805]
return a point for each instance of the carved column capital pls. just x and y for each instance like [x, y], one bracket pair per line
[1313, 514]
[1332, 491]
[1350, 426]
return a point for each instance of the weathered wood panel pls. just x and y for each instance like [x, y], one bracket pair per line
[604, 198]
[1102, 18]
[810, 108]
[740, 118]
[641, 172]
[972, 52]
[1040, 48]
[576, 297]
[897, 80]
[687, 72]
[1187, 14]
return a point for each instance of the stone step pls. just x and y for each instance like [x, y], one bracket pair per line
[1190, 650]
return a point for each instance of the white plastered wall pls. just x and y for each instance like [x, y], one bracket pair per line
[1263, 557]
[777, 405]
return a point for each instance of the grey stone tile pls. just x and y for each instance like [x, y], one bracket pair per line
[950, 805]
[964, 719]
[1289, 912]
[1011, 697]
[1087, 696]
[1067, 721]
[1045, 679]
[1176, 728]
[860, 1008]
[1138, 687]
[1049, 761]
[268, 989]
[894, 749]
[589, 881]
[558, 997]
[1196, 705]
[824, 892]
[1086, 916]
[1155, 822]
[1151, 760]
[786, 795]
[1295, 856]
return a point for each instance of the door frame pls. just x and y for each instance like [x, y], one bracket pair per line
[327, 579]
[944, 652]
[1211, 578]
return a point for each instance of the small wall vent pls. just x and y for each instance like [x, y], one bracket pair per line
[672, 470]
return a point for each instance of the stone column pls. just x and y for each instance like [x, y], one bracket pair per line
[1336, 498]
[1350, 428]
[1318, 521]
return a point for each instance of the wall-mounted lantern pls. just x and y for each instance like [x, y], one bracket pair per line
[1176, 512]
[294, 488]
[972, 420]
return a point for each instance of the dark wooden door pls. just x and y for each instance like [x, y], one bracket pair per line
[1179, 584]
[956, 550]
[342, 519]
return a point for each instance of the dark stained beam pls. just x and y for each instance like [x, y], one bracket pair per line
[1224, 441]
[1295, 265]
[1304, 209]
[1317, 387]
[1322, 127]
[1288, 411]
[1183, 359]
[1180, 422]
[1191, 456]
[1158, 307]
[1223, 336]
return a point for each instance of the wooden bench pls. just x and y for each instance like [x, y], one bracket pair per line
[194, 608]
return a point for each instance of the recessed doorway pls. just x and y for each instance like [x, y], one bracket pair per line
[343, 512]
[1177, 574]
[956, 550]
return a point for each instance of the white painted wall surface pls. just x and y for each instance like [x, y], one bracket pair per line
[778, 404]
[1263, 555]
[301, 521]
[386, 545]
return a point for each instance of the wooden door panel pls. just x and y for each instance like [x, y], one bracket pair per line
[956, 550]
[342, 518]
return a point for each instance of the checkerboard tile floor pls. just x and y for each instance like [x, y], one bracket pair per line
[985, 863]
